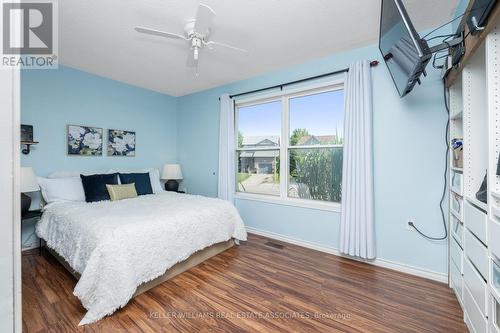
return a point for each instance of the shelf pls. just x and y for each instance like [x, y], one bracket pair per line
[481, 205]
[456, 215]
[458, 116]
[457, 191]
[28, 144]
[461, 170]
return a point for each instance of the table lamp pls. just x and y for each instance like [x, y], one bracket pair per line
[172, 173]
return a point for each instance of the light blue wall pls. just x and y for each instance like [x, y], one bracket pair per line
[461, 8]
[408, 138]
[52, 99]
[409, 152]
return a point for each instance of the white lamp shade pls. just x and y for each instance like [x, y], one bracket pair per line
[28, 180]
[171, 171]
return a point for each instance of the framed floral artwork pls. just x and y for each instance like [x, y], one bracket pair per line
[121, 143]
[84, 140]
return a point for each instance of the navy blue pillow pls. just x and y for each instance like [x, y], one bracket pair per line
[141, 180]
[94, 186]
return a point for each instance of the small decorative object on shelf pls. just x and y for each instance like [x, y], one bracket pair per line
[172, 173]
[458, 152]
[498, 165]
[481, 195]
[27, 138]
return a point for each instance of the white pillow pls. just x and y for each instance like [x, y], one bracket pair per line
[75, 174]
[154, 177]
[61, 189]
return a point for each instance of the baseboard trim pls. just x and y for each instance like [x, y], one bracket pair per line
[30, 247]
[412, 270]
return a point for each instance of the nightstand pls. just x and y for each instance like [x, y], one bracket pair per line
[30, 216]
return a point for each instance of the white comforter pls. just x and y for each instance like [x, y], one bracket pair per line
[116, 246]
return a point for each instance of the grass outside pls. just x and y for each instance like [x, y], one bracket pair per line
[243, 176]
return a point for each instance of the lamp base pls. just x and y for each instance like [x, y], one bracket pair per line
[25, 204]
[172, 185]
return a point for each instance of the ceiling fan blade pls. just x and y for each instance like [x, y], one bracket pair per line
[211, 43]
[160, 33]
[204, 19]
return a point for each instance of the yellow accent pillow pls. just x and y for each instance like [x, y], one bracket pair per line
[120, 192]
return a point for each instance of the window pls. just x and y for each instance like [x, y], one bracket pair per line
[259, 138]
[291, 147]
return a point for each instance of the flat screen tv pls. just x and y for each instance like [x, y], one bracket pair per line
[405, 53]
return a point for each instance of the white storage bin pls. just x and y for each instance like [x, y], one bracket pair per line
[476, 221]
[476, 286]
[494, 241]
[457, 255]
[495, 277]
[473, 314]
[457, 230]
[494, 315]
[456, 182]
[457, 206]
[477, 253]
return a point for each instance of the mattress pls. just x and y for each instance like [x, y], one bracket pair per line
[117, 245]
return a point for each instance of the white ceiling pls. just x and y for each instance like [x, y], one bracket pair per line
[97, 36]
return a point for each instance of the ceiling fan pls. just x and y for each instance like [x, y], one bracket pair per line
[196, 33]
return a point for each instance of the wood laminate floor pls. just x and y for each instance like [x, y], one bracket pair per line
[253, 288]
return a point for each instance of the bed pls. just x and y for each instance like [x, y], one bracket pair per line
[118, 249]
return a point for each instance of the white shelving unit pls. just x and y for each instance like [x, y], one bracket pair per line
[474, 267]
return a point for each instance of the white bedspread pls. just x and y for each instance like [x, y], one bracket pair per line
[116, 246]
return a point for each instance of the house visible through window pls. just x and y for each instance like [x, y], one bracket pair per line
[291, 147]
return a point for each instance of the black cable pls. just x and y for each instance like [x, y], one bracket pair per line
[445, 24]
[453, 20]
[435, 57]
[444, 56]
[443, 196]
[439, 36]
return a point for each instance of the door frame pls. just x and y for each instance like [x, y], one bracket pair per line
[10, 211]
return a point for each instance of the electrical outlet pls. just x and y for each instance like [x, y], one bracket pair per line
[409, 225]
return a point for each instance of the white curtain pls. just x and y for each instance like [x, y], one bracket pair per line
[227, 176]
[357, 228]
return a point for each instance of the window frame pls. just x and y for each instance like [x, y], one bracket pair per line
[284, 96]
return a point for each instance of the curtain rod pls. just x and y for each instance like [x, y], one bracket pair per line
[372, 64]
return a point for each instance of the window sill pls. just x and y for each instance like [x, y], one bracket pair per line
[318, 205]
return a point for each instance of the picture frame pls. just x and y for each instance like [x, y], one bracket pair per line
[84, 140]
[121, 143]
